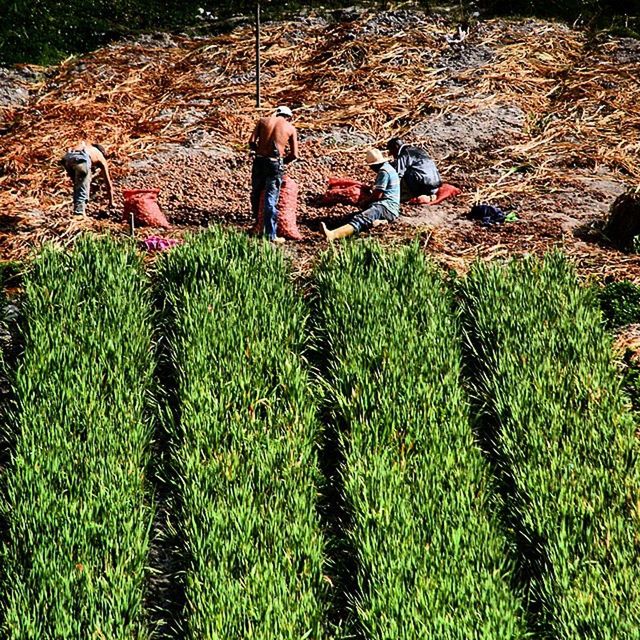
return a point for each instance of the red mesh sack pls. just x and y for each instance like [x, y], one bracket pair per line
[346, 191]
[445, 191]
[143, 203]
[287, 211]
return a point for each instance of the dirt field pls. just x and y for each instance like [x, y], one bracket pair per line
[530, 116]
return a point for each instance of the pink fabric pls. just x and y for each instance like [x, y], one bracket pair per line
[155, 243]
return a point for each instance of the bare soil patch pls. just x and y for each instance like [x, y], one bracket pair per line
[532, 116]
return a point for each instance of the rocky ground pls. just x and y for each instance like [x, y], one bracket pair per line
[530, 116]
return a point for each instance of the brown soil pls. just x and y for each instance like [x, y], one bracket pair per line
[531, 116]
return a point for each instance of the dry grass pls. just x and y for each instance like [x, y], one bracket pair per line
[377, 75]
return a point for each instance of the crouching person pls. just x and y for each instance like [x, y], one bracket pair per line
[78, 163]
[417, 171]
[385, 205]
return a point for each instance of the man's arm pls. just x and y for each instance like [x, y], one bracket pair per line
[293, 147]
[402, 163]
[377, 192]
[382, 182]
[253, 139]
[376, 195]
[104, 165]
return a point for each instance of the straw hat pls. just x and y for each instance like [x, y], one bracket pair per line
[374, 156]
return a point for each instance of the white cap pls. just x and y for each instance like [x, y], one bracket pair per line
[284, 111]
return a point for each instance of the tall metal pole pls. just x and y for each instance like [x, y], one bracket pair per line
[257, 54]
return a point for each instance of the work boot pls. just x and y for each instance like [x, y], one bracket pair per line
[278, 240]
[379, 223]
[341, 232]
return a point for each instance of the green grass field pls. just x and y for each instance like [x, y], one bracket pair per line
[377, 452]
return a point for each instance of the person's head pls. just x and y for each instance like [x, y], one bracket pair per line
[284, 112]
[394, 145]
[375, 159]
[100, 148]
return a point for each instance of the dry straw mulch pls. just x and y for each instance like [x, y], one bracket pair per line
[379, 75]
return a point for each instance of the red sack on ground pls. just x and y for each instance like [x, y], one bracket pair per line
[143, 203]
[287, 211]
[346, 191]
[445, 191]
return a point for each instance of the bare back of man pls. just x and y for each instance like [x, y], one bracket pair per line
[96, 156]
[275, 133]
[99, 161]
[81, 172]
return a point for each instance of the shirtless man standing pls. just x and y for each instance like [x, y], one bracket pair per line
[78, 162]
[274, 142]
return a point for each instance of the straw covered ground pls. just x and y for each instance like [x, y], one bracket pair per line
[528, 115]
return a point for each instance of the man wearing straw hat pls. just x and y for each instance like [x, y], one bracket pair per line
[273, 143]
[385, 206]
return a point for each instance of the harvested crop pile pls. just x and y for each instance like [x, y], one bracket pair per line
[529, 115]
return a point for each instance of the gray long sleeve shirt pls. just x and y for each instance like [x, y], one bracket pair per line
[419, 163]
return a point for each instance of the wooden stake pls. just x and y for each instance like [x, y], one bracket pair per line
[257, 54]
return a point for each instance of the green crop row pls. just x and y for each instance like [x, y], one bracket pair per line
[243, 442]
[564, 443]
[422, 507]
[431, 560]
[74, 495]
[4, 328]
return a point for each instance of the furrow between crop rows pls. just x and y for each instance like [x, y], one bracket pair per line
[431, 560]
[564, 445]
[75, 495]
[7, 400]
[243, 442]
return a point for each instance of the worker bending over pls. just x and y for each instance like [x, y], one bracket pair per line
[274, 143]
[78, 163]
[417, 171]
[385, 205]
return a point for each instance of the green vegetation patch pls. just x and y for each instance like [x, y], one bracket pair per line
[78, 517]
[244, 442]
[620, 303]
[431, 560]
[564, 441]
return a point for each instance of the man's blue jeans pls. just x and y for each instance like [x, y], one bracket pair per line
[78, 167]
[266, 175]
[365, 219]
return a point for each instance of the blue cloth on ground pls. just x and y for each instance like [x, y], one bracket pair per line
[487, 214]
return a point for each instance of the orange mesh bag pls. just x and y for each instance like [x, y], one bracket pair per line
[445, 191]
[346, 191]
[143, 203]
[287, 211]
